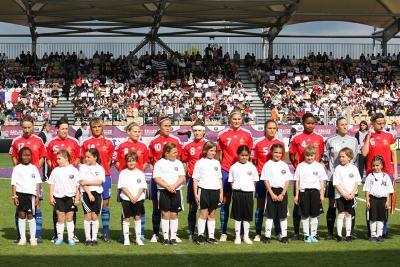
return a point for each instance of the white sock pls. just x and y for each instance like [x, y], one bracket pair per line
[283, 227]
[347, 219]
[201, 226]
[165, 228]
[314, 226]
[379, 228]
[211, 228]
[70, 230]
[246, 229]
[306, 226]
[339, 223]
[237, 229]
[268, 228]
[125, 230]
[60, 231]
[173, 228]
[86, 227]
[32, 228]
[138, 229]
[95, 229]
[22, 228]
[372, 226]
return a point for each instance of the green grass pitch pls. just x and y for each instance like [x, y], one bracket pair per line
[326, 253]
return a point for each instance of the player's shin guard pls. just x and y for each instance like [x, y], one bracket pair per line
[258, 220]
[330, 220]
[224, 216]
[38, 218]
[156, 219]
[192, 221]
[105, 219]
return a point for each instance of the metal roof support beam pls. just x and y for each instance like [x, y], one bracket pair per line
[27, 8]
[273, 32]
[387, 34]
[144, 42]
[165, 46]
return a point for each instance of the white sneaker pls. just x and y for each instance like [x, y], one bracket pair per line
[139, 242]
[178, 240]
[191, 239]
[223, 238]
[257, 238]
[154, 239]
[248, 241]
[76, 239]
[33, 242]
[22, 242]
[127, 242]
[238, 241]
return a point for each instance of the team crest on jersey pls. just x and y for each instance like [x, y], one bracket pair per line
[385, 142]
[315, 173]
[351, 175]
[176, 169]
[241, 141]
[33, 176]
[283, 171]
[139, 181]
[71, 176]
[35, 147]
[104, 148]
[249, 173]
[216, 168]
[96, 173]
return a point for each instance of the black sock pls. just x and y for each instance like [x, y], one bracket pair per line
[55, 222]
[330, 219]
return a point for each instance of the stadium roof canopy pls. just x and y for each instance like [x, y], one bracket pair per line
[192, 17]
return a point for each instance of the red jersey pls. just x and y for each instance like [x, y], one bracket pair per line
[301, 141]
[34, 142]
[192, 153]
[228, 142]
[127, 146]
[379, 144]
[56, 144]
[157, 145]
[105, 148]
[262, 151]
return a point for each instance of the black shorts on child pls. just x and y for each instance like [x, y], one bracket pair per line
[310, 203]
[27, 203]
[276, 209]
[168, 201]
[129, 209]
[242, 205]
[377, 210]
[64, 204]
[344, 205]
[209, 199]
[89, 206]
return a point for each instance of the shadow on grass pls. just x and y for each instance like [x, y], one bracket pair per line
[354, 258]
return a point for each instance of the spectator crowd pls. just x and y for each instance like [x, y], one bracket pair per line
[193, 85]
